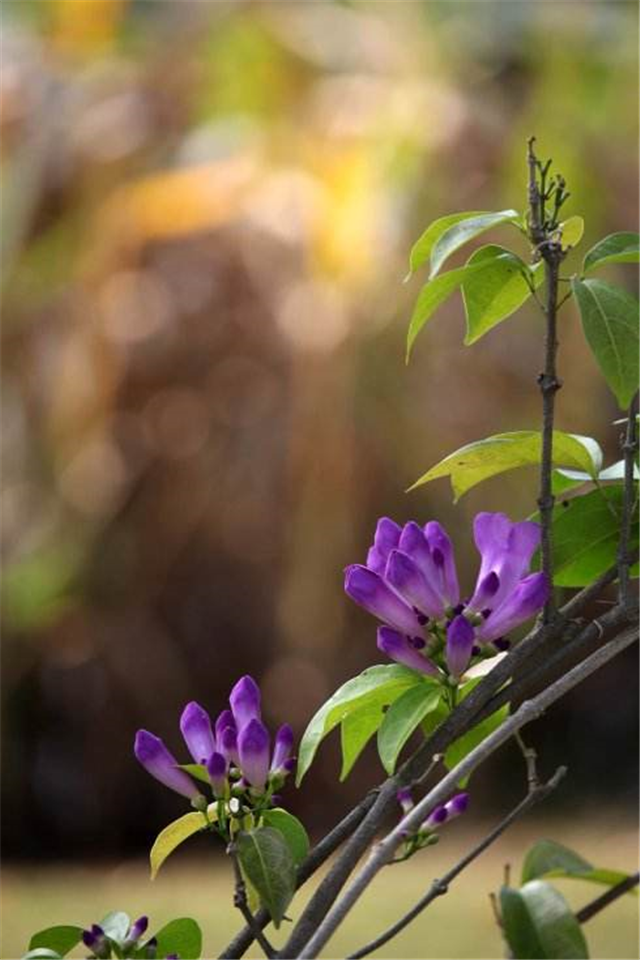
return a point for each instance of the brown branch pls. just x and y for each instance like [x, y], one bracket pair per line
[629, 449]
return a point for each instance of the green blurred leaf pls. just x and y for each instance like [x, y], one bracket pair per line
[403, 717]
[470, 740]
[42, 953]
[610, 323]
[172, 836]
[539, 924]
[572, 230]
[197, 770]
[460, 233]
[616, 248]
[482, 459]
[432, 295]
[379, 685]
[60, 939]
[356, 730]
[268, 863]
[38, 586]
[292, 830]
[116, 925]
[492, 295]
[585, 536]
[546, 858]
[182, 936]
[421, 250]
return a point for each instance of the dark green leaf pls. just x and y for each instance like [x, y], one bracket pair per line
[291, 829]
[470, 740]
[546, 858]
[116, 925]
[197, 770]
[356, 730]
[182, 936]
[421, 250]
[60, 939]
[492, 295]
[402, 718]
[381, 685]
[172, 836]
[585, 536]
[610, 323]
[616, 248]
[267, 861]
[478, 461]
[539, 924]
[460, 233]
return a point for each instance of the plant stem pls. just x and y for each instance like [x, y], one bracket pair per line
[629, 450]
[605, 899]
[440, 887]
[240, 901]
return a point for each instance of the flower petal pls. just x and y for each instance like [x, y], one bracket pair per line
[282, 747]
[404, 574]
[253, 750]
[460, 640]
[370, 591]
[245, 701]
[151, 752]
[442, 555]
[195, 725]
[397, 647]
[506, 549]
[529, 596]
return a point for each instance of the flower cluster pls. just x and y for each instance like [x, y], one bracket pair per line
[426, 834]
[410, 583]
[103, 946]
[234, 753]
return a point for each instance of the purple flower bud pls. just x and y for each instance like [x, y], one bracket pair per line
[397, 647]
[282, 748]
[151, 947]
[217, 770]
[290, 764]
[435, 819]
[195, 725]
[253, 749]
[407, 578]
[245, 701]
[370, 591]
[137, 928]
[96, 941]
[529, 596]
[457, 805]
[460, 637]
[506, 549]
[228, 744]
[442, 554]
[224, 720]
[151, 752]
[405, 800]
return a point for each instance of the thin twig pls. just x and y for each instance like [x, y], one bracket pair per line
[629, 448]
[441, 886]
[590, 909]
[530, 759]
[240, 901]
[383, 852]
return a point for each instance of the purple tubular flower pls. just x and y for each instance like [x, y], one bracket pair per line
[224, 720]
[386, 539]
[529, 596]
[460, 638]
[217, 770]
[195, 725]
[397, 647]
[435, 819]
[136, 929]
[457, 805]
[405, 800]
[405, 576]
[96, 941]
[282, 749]
[151, 752]
[442, 556]
[245, 701]
[506, 549]
[370, 591]
[253, 749]
[228, 744]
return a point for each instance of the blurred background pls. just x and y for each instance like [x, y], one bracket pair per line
[208, 209]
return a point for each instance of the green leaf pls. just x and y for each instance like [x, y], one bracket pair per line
[356, 730]
[197, 770]
[492, 295]
[421, 250]
[60, 939]
[546, 858]
[381, 684]
[292, 830]
[470, 740]
[268, 863]
[172, 836]
[610, 323]
[432, 295]
[182, 936]
[460, 233]
[402, 718]
[538, 924]
[616, 248]
[572, 230]
[585, 535]
[482, 459]
[116, 925]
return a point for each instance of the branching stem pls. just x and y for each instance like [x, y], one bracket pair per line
[629, 450]
[240, 901]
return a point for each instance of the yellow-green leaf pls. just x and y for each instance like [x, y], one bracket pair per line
[172, 836]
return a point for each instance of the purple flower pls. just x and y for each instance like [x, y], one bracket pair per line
[217, 770]
[96, 941]
[442, 556]
[224, 720]
[529, 596]
[253, 750]
[404, 798]
[195, 725]
[373, 593]
[282, 749]
[447, 811]
[151, 752]
[228, 743]
[137, 928]
[460, 640]
[399, 648]
[506, 549]
[245, 701]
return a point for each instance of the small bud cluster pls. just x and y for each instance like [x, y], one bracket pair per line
[426, 835]
[102, 946]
